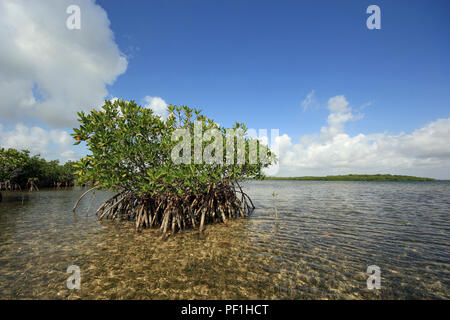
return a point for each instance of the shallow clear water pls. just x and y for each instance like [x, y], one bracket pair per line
[319, 247]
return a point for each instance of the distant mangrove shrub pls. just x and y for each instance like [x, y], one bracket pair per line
[179, 172]
[19, 170]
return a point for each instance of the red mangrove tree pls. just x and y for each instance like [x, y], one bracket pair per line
[171, 173]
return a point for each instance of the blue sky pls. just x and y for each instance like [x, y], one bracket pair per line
[255, 61]
[380, 99]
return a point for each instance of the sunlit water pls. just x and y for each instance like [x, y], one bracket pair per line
[319, 247]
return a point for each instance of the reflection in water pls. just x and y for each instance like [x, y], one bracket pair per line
[326, 235]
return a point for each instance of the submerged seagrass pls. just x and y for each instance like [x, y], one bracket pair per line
[138, 154]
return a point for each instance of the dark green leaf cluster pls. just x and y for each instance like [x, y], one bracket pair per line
[19, 167]
[131, 148]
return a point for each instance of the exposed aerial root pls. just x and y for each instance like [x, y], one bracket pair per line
[81, 197]
[173, 213]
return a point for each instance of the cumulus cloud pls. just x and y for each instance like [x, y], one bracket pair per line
[340, 113]
[158, 105]
[425, 151]
[48, 71]
[51, 144]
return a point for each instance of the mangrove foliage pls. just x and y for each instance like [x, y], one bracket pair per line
[21, 171]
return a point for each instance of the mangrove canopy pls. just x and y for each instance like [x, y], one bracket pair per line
[21, 171]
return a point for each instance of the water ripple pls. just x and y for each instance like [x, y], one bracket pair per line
[319, 247]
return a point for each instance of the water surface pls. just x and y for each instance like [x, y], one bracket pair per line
[319, 247]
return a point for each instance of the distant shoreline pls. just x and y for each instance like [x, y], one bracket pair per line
[356, 177]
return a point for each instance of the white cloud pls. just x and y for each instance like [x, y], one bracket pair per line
[48, 71]
[51, 144]
[158, 105]
[424, 152]
[310, 101]
[340, 113]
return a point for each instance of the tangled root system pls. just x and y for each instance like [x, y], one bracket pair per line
[172, 213]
